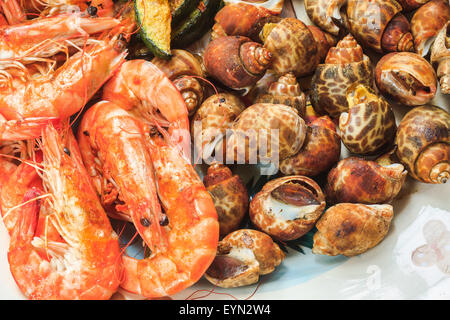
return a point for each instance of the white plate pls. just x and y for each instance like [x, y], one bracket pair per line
[384, 272]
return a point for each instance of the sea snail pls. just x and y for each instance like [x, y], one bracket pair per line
[440, 57]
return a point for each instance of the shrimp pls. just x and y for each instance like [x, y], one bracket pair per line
[37, 39]
[103, 8]
[190, 239]
[86, 264]
[67, 90]
[144, 90]
[12, 12]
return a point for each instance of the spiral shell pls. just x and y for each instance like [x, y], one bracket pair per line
[229, 195]
[409, 5]
[276, 127]
[180, 69]
[440, 57]
[242, 256]
[324, 42]
[351, 228]
[285, 90]
[371, 24]
[287, 208]
[357, 180]
[292, 45]
[423, 142]
[321, 13]
[426, 23]
[236, 61]
[215, 116]
[370, 123]
[407, 77]
[344, 66]
[320, 151]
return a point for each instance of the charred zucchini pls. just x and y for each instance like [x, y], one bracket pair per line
[181, 8]
[154, 18]
[194, 26]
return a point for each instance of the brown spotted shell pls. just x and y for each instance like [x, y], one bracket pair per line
[215, 116]
[331, 81]
[440, 57]
[276, 128]
[229, 195]
[321, 12]
[288, 207]
[351, 228]
[180, 69]
[292, 46]
[427, 22]
[324, 42]
[320, 151]
[409, 5]
[369, 124]
[286, 90]
[407, 77]
[242, 256]
[369, 20]
[357, 180]
[423, 142]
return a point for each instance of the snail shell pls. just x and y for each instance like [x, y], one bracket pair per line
[357, 180]
[344, 66]
[423, 142]
[292, 45]
[324, 42]
[370, 123]
[320, 151]
[257, 125]
[180, 69]
[288, 207]
[351, 228]
[379, 25]
[212, 119]
[236, 61]
[229, 195]
[240, 19]
[242, 256]
[409, 5]
[285, 90]
[440, 56]
[407, 77]
[426, 23]
[321, 12]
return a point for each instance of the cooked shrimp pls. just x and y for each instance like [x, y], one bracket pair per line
[86, 265]
[144, 90]
[103, 8]
[12, 11]
[189, 241]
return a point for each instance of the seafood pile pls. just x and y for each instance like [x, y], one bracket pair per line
[106, 110]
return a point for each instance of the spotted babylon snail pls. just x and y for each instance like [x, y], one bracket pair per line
[369, 125]
[229, 195]
[288, 207]
[427, 22]
[351, 228]
[237, 62]
[423, 143]
[266, 131]
[292, 45]
[344, 65]
[286, 90]
[320, 151]
[379, 25]
[180, 69]
[241, 19]
[324, 42]
[209, 124]
[322, 12]
[440, 57]
[407, 77]
[409, 5]
[242, 257]
[357, 180]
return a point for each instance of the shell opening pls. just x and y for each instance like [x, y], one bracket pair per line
[232, 264]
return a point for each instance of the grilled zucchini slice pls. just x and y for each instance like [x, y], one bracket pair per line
[181, 8]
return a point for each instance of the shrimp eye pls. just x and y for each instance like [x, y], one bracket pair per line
[86, 133]
[164, 221]
[145, 222]
[67, 151]
[92, 11]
